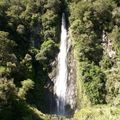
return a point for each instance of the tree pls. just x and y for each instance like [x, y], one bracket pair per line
[6, 47]
[47, 50]
[7, 91]
[94, 82]
[26, 85]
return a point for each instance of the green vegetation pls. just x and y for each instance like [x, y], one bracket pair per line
[29, 43]
[98, 113]
[97, 72]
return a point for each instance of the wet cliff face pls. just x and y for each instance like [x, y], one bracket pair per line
[71, 83]
[52, 76]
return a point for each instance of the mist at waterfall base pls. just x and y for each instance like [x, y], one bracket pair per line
[60, 86]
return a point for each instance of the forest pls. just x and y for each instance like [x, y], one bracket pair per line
[29, 44]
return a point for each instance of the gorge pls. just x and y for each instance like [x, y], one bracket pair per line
[59, 60]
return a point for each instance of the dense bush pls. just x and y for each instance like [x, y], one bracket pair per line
[29, 37]
[94, 81]
[88, 20]
[29, 43]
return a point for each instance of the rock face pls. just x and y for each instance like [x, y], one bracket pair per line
[52, 76]
[71, 82]
[108, 45]
[71, 93]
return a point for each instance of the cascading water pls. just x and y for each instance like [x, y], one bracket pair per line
[61, 78]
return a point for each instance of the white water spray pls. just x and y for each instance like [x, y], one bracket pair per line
[61, 79]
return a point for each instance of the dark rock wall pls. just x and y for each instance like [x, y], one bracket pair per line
[71, 83]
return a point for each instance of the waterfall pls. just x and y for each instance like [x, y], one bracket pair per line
[61, 78]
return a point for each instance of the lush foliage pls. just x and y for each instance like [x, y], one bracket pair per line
[29, 40]
[29, 44]
[96, 69]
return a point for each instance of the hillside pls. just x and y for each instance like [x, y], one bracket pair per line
[30, 39]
